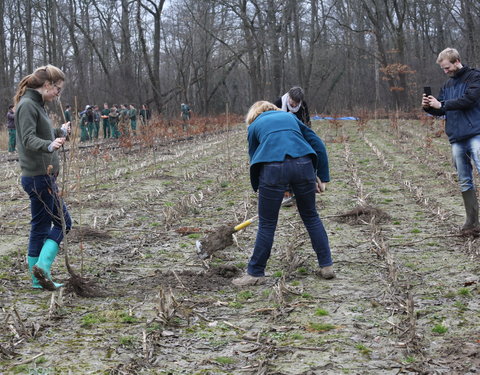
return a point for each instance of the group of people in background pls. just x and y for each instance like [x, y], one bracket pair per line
[116, 121]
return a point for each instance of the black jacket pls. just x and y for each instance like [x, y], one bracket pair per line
[302, 114]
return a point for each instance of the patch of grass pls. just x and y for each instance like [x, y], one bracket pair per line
[91, 319]
[302, 270]
[396, 222]
[194, 235]
[277, 274]
[20, 369]
[223, 184]
[460, 306]
[365, 350]
[321, 312]
[295, 283]
[415, 230]
[154, 327]
[320, 327]
[306, 295]
[410, 359]
[126, 340]
[235, 305]
[465, 292]
[297, 336]
[225, 360]
[244, 295]
[440, 329]
[241, 265]
[127, 318]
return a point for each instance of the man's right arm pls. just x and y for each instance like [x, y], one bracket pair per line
[435, 111]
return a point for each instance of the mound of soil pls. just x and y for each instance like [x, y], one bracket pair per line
[214, 279]
[362, 215]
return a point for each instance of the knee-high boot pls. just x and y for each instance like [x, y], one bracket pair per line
[471, 209]
[42, 268]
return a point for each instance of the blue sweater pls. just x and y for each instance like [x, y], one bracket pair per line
[460, 96]
[274, 135]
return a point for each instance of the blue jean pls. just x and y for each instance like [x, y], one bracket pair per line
[44, 205]
[274, 181]
[464, 153]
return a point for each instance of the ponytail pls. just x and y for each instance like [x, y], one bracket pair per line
[37, 79]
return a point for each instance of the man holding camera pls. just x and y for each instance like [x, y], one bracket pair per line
[459, 102]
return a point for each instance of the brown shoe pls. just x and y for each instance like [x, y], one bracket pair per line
[327, 272]
[247, 280]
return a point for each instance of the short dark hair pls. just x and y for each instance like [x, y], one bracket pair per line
[296, 94]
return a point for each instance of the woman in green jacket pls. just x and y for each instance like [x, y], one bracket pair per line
[38, 144]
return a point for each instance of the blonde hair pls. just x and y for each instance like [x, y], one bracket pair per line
[450, 54]
[257, 109]
[47, 73]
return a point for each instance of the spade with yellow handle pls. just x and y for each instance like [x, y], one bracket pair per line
[222, 237]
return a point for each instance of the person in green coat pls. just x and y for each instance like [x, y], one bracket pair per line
[113, 116]
[132, 114]
[67, 114]
[123, 120]
[86, 125]
[106, 124]
[96, 121]
[38, 144]
[12, 133]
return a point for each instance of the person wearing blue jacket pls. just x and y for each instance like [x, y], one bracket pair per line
[284, 151]
[459, 102]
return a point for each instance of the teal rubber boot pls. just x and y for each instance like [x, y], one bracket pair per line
[31, 262]
[41, 270]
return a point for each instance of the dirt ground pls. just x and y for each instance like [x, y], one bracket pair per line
[405, 300]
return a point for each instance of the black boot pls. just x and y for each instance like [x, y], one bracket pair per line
[471, 208]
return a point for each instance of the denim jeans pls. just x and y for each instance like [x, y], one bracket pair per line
[44, 205]
[465, 153]
[274, 180]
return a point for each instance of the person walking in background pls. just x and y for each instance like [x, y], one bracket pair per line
[96, 121]
[86, 124]
[186, 112]
[67, 114]
[459, 102]
[38, 144]
[123, 120]
[293, 101]
[284, 152]
[12, 133]
[106, 125]
[113, 116]
[132, 115]
[145, 114]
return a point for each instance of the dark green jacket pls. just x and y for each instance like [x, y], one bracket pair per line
[34, 135]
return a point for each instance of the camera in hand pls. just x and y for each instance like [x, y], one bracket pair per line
[427, 90]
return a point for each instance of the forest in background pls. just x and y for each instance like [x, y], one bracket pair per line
[348, 55]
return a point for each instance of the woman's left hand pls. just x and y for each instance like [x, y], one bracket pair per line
[320, 186]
